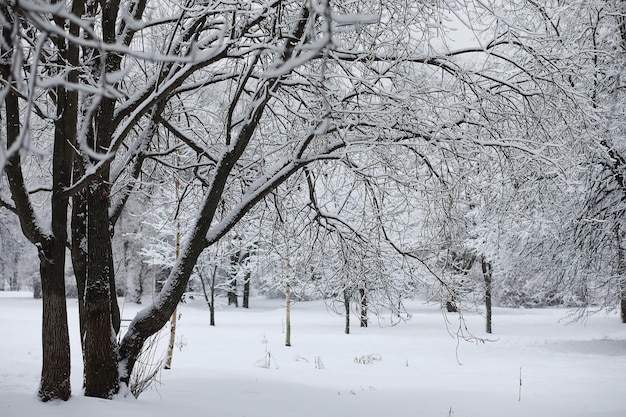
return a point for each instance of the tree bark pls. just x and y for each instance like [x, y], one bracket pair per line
[101, 319]
[55, 371]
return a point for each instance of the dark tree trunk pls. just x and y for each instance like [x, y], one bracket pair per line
[101, 313]
[246, 291]
[212, 304]
[101, 320]
[55, 335]
[232, 280]
[621, 271]
[55, 374]
[487, 275]
[363, 297]
[287, 314]
[346, 306]
[210, 298]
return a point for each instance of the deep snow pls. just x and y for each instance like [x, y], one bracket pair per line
[566, 369]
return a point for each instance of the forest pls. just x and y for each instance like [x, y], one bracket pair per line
[356, 152]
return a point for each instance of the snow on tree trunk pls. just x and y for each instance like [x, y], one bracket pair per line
[101, 313]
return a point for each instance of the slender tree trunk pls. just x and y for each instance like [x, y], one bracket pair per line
[170, 346]
[287, 314]
[621, 272]
[487, 275]
[210, 297]
[212, 304]
[232, 280]
[346, 306]
[246, 291]
[363, 296]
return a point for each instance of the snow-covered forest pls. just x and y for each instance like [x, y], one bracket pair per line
[360, 154]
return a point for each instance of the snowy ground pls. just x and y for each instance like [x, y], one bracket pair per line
[566, 369]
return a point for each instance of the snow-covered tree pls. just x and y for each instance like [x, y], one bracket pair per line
[235, 98]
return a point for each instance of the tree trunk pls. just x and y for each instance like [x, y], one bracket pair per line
[212, 304]
[101, 312]
[346, 306]
[210, 299]
[55, 371]
[621, 271]
[170, 346]
[363, 296]
[246, 290]
[487, 275]
[232, 280]
[287, 314]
